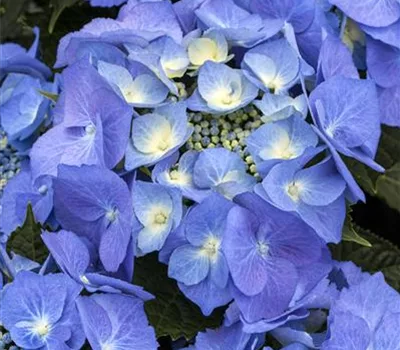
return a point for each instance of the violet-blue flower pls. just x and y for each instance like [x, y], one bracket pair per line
[274, 65]
[264, 248]
[346, 111]
[158, 210]
[94, 129]
[316, 194]
[142, 90]
[199, 264]
[222, 171]
[40, 312]
[276, 142]
[221, 90]
[98, 207]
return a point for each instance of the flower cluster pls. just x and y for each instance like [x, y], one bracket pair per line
[213, 133]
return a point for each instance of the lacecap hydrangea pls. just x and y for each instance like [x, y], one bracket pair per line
[212, 133]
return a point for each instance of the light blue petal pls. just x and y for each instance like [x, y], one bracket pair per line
[327, 221]
[188, 265]
[321, 184]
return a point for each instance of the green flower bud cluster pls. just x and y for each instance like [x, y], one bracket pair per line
[229, 131]
[10, 162]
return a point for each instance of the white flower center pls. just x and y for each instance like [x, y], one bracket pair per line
[211, 248]
[262, 248]
[41, 327]
[90, 129]
[160, 218]
[293, 191]
[112, 214]
[43, 189]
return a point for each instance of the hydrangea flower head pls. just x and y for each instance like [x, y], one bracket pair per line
[98, 207]
[279, 141]
[143, 90]
[94, 128]
[157, 135]
[158, 210]
[40, 312]
[264, 248]
[222, 171]
[347, 113]
[221, 89]
[211, 46]
[274, 65]
[316, 194]
[20, 191]
[197, 261]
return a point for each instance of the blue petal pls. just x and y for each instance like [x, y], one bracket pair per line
[188, 265]
[383, 63]
[206, 295]
[370, 12]
[387, 335]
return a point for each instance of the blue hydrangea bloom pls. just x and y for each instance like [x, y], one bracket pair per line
[98, 207]
[204, 228]
[221, 90]
[94, 129]
[168, 173]
[210, 46]
[20, 191]
[353, 322]
[16, 59]
[316, 194]
[239, 26]
[222, 171]
[157, 135]
[23, 108]
[278, 107]
[283, 140]
[40, 312]
[75, 259]
[274, 65]
[142, 90]
[113, 321]
[158, 210]
[346, 112]
[263, 249]
[198, 262]
[373, 13]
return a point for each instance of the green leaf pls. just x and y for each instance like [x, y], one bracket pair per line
[58, 7]
[26, 240]
[384, 186]
[171, 313]
[350, 234]
[382, 256]
[49, 95]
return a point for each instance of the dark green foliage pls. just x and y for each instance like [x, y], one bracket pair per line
[26, 240]
[385, 186]
[382, 256]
